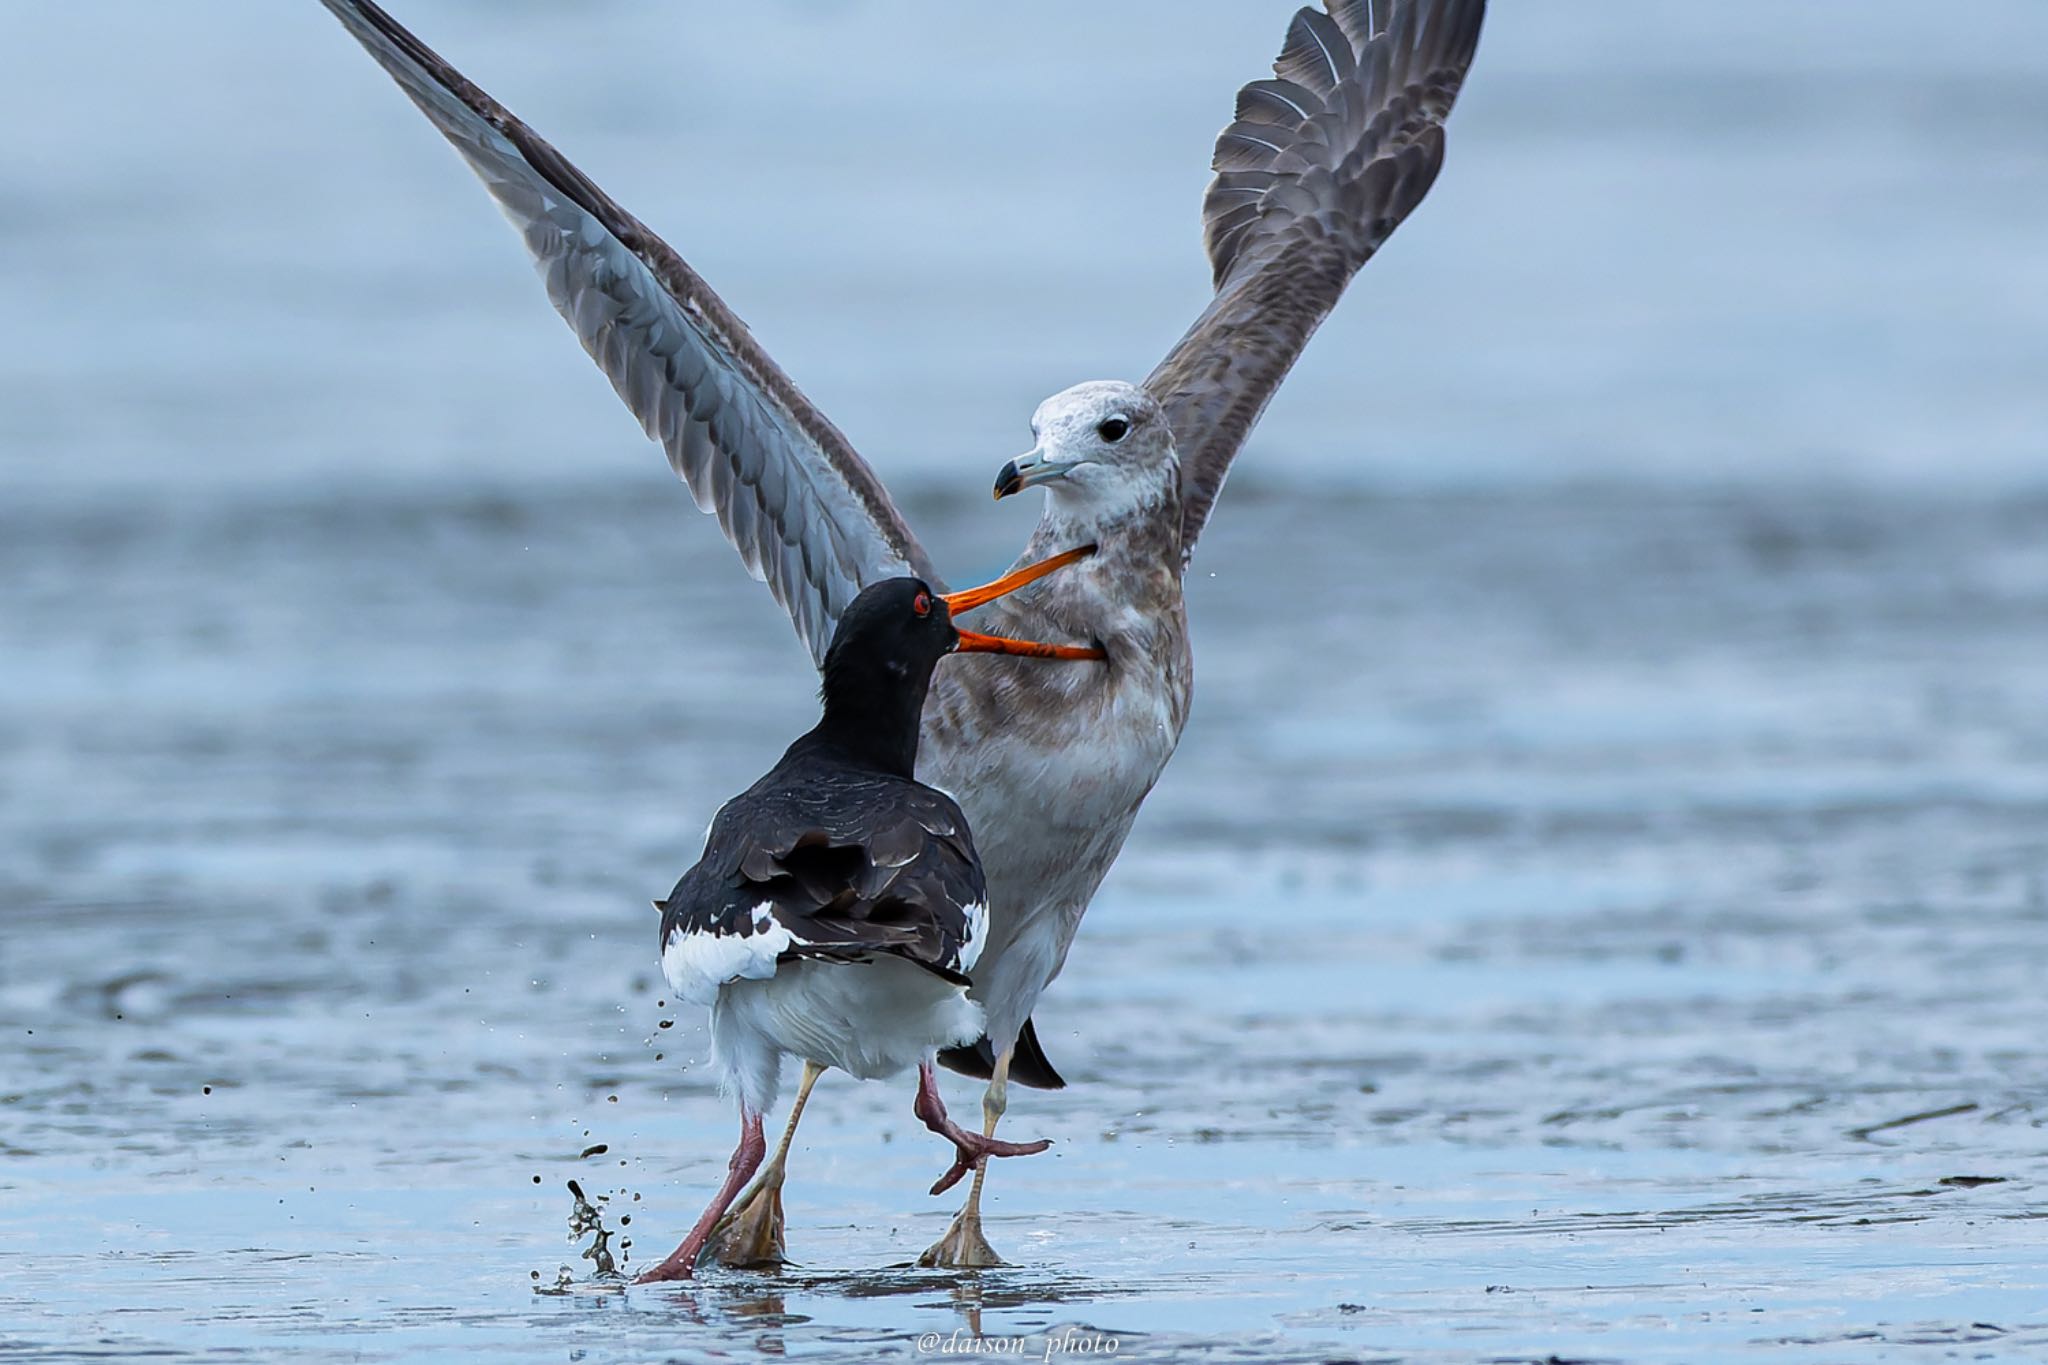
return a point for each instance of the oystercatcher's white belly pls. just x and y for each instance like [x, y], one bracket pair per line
[868, 1019]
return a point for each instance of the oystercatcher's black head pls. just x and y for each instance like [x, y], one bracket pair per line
[890, 638]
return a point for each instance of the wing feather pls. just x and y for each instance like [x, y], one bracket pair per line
[805, 512]
[1317, 54]
[833, 867]
[1314, 173]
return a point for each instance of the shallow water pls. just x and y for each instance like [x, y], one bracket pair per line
[1599, 908]
[1539, 978]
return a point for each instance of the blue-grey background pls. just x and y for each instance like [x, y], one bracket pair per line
[1616, 785]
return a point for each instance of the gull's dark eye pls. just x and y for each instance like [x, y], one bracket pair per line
[922, 604]
[1113, 429]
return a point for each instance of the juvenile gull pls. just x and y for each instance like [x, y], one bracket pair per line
[1317, 169]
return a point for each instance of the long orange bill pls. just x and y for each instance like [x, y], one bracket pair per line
[974, 642]
[967, 599]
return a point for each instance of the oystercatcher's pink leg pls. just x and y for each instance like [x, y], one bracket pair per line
[746, 1159]
[972, 1149]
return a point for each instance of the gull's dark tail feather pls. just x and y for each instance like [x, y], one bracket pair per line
[1027, 1067]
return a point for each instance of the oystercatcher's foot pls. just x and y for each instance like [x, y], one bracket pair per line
[971, 1150]
[746, 1159]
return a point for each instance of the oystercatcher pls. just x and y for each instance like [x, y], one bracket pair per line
[1318, 168]
[839, 905]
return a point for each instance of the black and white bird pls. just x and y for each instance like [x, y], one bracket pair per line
[1319, 166]
[839, 906]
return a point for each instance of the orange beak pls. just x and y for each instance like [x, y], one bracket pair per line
[967, 599]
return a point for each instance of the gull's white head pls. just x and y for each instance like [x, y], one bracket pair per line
[1104, 452]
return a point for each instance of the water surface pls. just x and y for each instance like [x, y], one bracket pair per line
[1532, 966]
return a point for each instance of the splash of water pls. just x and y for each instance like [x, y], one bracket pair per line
[586, 1219]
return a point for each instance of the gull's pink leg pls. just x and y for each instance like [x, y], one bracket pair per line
[972, 1149]
[746, 1159]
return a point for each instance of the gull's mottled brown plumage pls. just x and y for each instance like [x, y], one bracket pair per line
[1319, 167]
[1052, 765]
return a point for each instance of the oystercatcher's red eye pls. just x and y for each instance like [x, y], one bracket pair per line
[922, 604]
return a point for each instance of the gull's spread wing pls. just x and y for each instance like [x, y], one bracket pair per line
[1318, 169]
[806, 513]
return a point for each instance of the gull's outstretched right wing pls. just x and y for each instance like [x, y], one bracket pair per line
[1319, 168]
[806, 513]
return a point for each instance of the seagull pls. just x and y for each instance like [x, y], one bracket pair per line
[1316, 170]
[839, 906]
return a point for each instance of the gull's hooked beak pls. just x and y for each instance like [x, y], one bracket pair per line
[1028, 471]
[967, 599]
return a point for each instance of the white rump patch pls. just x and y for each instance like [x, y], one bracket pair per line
[697, 964]
[977, 934]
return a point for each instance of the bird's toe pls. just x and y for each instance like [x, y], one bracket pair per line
[962, 1248]
[751, 1236]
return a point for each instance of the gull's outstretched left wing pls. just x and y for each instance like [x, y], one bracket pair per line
[806, 513]
[1319, 168]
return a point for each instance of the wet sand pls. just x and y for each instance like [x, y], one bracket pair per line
[1617, 933]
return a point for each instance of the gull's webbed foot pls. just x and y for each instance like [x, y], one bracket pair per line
[963, 1247]
[750, 1237]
